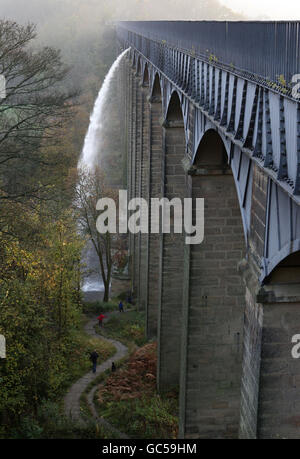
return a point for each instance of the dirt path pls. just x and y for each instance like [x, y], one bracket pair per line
[72, 398]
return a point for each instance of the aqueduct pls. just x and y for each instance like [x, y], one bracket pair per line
[209, 112]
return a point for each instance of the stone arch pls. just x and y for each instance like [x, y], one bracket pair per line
[146, 79]
[217, 147]
[172, 251]
[133, 59]
[174, 111]
[144, 176]
[156, 90]
[287, 271]
[155, 191]
[280, 257]
[214, 302]
[138, 67]
[211, 151]
[137, 157]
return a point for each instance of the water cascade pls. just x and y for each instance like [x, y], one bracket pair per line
[89, 159]
[92, 142]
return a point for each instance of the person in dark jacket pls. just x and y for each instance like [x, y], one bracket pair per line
[94, 356]
[121, 309]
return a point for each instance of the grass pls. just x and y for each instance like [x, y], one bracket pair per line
[84, 406]
[144, 415]
[50, 420]
[50, 423]
[128, 399]
[127, 327]
[99, 379]
[148, 417]
[98, 307]
[79, 361]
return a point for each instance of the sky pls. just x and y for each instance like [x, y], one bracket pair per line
[266, 9]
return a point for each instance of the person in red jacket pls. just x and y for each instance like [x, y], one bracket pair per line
[100, 318]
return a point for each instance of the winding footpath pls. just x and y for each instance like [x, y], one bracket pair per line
[72, 398]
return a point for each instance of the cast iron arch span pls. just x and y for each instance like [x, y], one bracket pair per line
[260, 130]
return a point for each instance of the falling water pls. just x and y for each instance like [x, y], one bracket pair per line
[88, 160]
[90, 151]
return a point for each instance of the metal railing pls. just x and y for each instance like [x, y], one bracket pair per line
[265, 52]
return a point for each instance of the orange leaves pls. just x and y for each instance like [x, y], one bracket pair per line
[133, 381]
[128, 399]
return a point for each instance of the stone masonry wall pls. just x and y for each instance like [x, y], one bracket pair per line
[155, 170]
[132, 177]
[171, 275]
[137, 193]
[251, 366]
[145, 183]
[253, 322]
[215, 318]
[279, 395]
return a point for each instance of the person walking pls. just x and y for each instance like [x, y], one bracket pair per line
[100, 318]
[121, 308]
[94, 356]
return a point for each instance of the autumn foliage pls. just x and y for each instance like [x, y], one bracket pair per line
[136, 379]
[129, 400]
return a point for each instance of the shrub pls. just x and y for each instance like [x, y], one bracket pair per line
[98, 307]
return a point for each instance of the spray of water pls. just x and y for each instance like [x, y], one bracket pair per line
[92, 141]
[89, 159]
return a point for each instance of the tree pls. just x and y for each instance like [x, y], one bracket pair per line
[90, 188]
[40, 249]
[32, 112]
[39, 311]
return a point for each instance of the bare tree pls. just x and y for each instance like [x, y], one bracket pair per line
[32, 112]
[90, 188]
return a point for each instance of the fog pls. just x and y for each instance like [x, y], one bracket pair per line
[86, 14]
